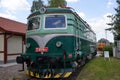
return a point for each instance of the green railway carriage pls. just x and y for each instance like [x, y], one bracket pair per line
[57, 42]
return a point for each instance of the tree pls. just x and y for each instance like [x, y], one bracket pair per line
[57, 3]
[116, 22]
[37, 4]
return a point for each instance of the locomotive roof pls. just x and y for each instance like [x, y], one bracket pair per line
[52, 10]
[61, 10]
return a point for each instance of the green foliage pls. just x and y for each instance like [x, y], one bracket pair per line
[115, 23]
[36, 5]
[57, 3]
[108, 48]
[15, 79]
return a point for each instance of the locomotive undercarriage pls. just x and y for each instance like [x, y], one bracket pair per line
[47, 67]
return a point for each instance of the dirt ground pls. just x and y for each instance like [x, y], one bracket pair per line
[12, 73]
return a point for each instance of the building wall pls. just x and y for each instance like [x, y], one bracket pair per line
[14, 47]
[2, 57]
[1, 47]
[1, 42]
[11, 58]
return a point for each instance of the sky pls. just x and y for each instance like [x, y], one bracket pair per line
[94, 12]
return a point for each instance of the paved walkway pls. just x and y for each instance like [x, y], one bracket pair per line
[8, 64]
[10, 72]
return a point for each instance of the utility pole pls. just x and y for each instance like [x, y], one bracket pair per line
[106, 33]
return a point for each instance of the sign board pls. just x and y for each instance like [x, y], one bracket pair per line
[41, 49]
[106, 54]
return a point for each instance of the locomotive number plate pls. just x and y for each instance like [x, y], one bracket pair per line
[41, 49]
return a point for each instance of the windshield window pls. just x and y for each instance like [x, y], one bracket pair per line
[34, 23]
[55, 21]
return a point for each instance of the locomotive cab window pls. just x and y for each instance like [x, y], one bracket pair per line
[34, 23]
[55, 21]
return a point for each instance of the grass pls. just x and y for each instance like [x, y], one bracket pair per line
[101, 69]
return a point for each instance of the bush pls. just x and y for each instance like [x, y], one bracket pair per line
[108, 48]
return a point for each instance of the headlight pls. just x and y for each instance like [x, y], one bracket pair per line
[58, 44]
[27, 45]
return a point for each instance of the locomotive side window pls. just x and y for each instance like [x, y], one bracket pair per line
[34, 23]
[55, 21]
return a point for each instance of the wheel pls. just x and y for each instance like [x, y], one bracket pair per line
[83, 61]
[90, 56]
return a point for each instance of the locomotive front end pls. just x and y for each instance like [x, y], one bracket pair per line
[49, 46]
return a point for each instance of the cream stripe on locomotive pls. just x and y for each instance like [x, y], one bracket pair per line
[42, 41]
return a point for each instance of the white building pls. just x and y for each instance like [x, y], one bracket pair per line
[12, 39]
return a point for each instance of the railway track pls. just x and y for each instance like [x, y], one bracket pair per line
[75, 74]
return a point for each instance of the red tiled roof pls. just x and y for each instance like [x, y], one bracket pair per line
[12, 26]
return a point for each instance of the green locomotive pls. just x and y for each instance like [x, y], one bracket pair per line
[57, 42]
